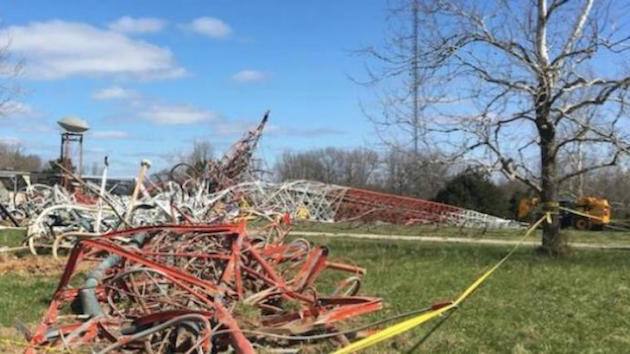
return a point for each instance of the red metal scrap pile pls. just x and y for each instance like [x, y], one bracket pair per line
[196, 289]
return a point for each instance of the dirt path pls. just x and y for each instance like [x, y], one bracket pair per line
[464, 240]
[32, 265]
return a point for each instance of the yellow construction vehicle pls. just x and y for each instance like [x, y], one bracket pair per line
[587, 213]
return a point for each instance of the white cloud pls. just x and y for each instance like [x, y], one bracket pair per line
[112, 93]
[58, 49]
[245, 76]
[176, 114]
[152, 110]
[11, 141]
[302, 132]
[128, 24]
[211, 27]
[16, 108]
[109, 134]
[21, 117]
[233, 127]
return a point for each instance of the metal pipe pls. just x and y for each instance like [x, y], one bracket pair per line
[87, 295]
[99, 216]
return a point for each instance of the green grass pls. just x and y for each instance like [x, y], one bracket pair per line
[12, 237]
[531, 304]
[24, 298]
[447, 231]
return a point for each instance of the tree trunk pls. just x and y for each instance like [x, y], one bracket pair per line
[415, 76]
[553, 241]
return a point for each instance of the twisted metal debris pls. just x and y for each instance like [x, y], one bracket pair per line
[181, 199]
[172, 268]
[57, 223]
[198, 289]
[197, 282]
[219, 191]
[323, 202]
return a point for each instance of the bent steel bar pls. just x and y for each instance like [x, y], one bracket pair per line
[146, 279]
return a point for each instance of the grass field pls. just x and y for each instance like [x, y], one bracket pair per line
[24, 297]
[606, 236]
[532, 304]
[11, 237]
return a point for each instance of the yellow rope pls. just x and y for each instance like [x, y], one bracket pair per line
[391, 331]
[411, 323]
[576, 212]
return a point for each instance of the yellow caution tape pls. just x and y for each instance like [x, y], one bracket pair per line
[576, 212]
[406, 325]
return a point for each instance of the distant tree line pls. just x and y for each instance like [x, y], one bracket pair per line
[395, 171]
[399, 172]
[13, 157]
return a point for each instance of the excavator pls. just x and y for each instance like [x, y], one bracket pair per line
[598, 208]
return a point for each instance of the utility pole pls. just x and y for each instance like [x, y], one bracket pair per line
[415, 75]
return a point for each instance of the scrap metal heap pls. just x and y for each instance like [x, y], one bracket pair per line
[172, 268]
[197, 289]
[219, 191]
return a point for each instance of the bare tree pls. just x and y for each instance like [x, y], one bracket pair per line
[614, 185]
[303, 165]
[404, 90]
[572, 159]
[10, 69]
[394, 171]
[13, 157]
[535, 78]
[405, 172]
[202, 151]
[355, 167]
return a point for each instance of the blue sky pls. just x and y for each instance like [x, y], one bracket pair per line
[151, 77]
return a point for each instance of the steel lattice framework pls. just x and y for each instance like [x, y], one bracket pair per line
[234, 166]
[331, 203]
